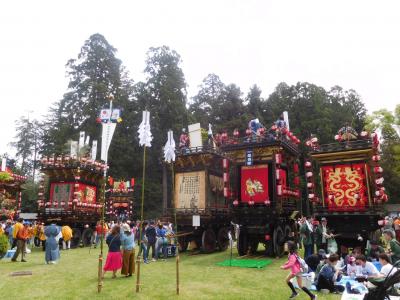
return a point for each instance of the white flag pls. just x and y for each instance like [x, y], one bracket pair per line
[106, 137]
[74, 149]
[286, 119]
[3, 164]
[94, 150]
[145, 136]
[87, 141]
[169, 148]
[81, 139]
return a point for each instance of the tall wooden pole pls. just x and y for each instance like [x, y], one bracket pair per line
[100, 266]
[141, 223]
[176, 228]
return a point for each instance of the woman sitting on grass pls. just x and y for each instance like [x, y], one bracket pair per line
[114, 257]
[293, 264]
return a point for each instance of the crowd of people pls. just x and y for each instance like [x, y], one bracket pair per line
[25, 235]
[121, 238]
[327, 264]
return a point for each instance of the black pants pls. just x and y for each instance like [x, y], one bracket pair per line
[324, 283]
[153, 250]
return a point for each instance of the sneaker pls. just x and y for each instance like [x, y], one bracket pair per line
[23, 260]
[153, 259]
[294, 295]
[13, 260]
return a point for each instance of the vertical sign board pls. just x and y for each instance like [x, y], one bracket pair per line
[196, 220]
[249, 157]
[190, 190]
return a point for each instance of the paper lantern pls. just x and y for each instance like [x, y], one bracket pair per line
[278, 158]
[225, 163]
[364, 134]
[278, 174]
[267, 202]
[308, 164]
[251, 202]
[338, 137]
[236, 203]
[274, 127]
[308, 143]
[296, 168]
[378, 169]
[296, 180]
[379, 181]
[261, 131]
[311, 196]
[379, 193]
[309, 174]
[310, 185]
[248, 131]
[314, 140]
[279, 190]
[385, 198]
[226, 177]
[226, 192]
[284, 130]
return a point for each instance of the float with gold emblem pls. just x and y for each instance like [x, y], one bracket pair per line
[264, 191]
[350, 192]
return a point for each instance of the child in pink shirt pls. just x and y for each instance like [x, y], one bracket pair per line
[293, 264]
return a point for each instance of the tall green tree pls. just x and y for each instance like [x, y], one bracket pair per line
[255, 104]
[93, 76]
[27, 144]
[388, 124]
[208, 99]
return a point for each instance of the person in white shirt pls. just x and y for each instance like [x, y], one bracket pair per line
[387, 268]
[367, 268]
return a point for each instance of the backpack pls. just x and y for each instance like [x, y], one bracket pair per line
[303, 264]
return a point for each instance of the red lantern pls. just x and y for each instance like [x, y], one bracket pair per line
[279, 190]
[278, 158]
[274, 127]
[248, 131]
[236, 133]
[378, 170]
[308, 164]
[296, 180]
[309, 174]
[236, 202]
[310, 185]
[296, 168]
[311, 196]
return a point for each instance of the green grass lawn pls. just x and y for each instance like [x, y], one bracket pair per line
[75, 277]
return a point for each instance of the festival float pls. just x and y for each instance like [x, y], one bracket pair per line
[199, 193]
[119, 200]
[70, 190]
[264, 192]
[350, 192]
[10, 193]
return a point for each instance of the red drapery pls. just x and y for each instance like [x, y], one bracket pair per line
[254, 183]
[344, 187]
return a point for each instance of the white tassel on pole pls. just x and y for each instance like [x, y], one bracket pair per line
[145, 136]
[169, 148]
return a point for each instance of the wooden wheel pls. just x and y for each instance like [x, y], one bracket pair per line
[87, 236]
[76, 237]
[253, 245]
[183, 244]
[242, 243]
[287, 231]
[208, 241]
[223, 238]
[279, 241]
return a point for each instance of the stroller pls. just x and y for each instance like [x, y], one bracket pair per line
[385, 287]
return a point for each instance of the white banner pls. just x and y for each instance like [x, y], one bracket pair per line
[87, 141]
[3, 164]
[286, 119]
[74, 149]
[169, 148]
[106, 137]
[94, 150]
[81, 139]
[145, 136]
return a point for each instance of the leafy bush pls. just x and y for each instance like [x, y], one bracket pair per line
[4, 176]
[3, 245]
